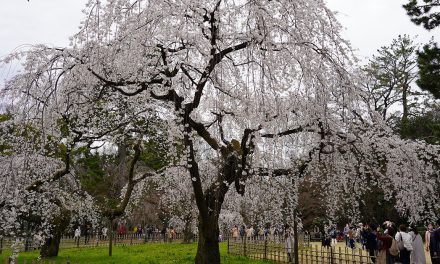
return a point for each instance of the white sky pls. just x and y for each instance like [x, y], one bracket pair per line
[369, 24]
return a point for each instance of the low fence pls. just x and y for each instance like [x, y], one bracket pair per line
[278, 250]
[95, 241]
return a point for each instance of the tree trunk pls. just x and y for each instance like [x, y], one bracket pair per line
[208, 251]
[187, 232]
[51, 247]
[405, 114]
[52, 244]
[295, 237]
[110, 242]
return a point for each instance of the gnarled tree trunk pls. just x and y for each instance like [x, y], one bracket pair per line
[208, 248]
[187, 231]
[52, 244]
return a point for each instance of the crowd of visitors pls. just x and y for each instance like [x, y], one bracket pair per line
[272, 233]
[258, 233]
[389, 243]
[385, 244]
[148, 233]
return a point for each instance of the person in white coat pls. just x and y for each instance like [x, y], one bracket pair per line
[289, 245]
[405, 253]
[77, 235]
[417, 254]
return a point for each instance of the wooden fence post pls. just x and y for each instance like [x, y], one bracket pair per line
[244, 246]
[331, 255]
[340, 256]
[265, 249]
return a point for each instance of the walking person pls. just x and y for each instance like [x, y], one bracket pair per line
[77, 235]
[417, 254]
[434, 244]
[405, 252]
[163, 233]
[288, 246]
[87, 234]
[266, 232]
[234, 232]
[171, 234]
[261, 233]
[428, 233]
[386, 254]
[346, 229]
[121, 231]
[333, 235]
[369, 236]
[249, 233]
[272, 233]
[104, 233]
[242, 232]
[351, 242]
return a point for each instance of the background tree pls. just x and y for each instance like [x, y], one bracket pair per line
[428, 15]
[426, 126]
[19, 167]
[424, 13]
[428, 62]
[390, 75]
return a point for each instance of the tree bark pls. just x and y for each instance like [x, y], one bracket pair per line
[187, 232]
[208, 251]
[52, 244]
[295, 237]
[405, 113]
[110, 242]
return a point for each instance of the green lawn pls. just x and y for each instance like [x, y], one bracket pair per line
[146, 254]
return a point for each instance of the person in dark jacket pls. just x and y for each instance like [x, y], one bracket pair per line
[369, 236]
[434, 244]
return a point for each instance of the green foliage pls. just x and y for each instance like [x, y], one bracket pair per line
[423, 12]
[155, 152]
[428, 62]
[147, 253]
[4, 148]
[375, 209]
[5, 117]
[103, 174]
[425, 127]
[427, 13]
[92, 163]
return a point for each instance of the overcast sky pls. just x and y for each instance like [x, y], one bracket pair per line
[369, 24]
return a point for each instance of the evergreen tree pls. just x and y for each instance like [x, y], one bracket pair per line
[390, 74]
[429, 58]
[428, 62]
[424, 13]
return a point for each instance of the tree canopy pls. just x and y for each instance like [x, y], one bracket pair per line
[428, 62]
[424, 12]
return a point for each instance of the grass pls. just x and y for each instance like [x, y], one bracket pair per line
[146, 254]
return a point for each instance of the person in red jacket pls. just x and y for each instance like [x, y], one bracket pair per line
[384, 255]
